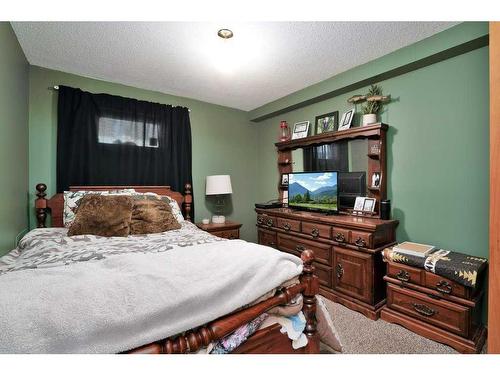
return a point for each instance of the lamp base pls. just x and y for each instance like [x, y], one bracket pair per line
[218, 219]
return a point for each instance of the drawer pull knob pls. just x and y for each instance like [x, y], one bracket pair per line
[287, 227]
[232, 237]
[269, 222]
[444, 286]
[260, 220]
[360, 242]
[339, 270]
[423, 309]
[339, 237]
[403, 275]
[272, 243]
[300, 248]
[315, 232]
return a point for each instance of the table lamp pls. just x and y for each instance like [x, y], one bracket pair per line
[218, 185]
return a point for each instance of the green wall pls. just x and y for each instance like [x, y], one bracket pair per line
[438, 150]
[13, 139]
[224, 141]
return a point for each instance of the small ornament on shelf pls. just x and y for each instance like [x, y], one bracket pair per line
[284, 131]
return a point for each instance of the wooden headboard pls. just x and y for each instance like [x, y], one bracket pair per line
[55, 205]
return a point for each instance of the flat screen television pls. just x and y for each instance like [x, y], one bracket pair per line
[313, 191]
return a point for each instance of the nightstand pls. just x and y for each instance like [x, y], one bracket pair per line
[229, 229]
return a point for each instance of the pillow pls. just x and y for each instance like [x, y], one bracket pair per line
[72, 200]
[103, 215]
[152, 216]
[176, 211]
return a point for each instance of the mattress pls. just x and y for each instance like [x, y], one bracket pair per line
[90, 294]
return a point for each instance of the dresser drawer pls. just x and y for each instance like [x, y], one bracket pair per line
[322, 252]
[404, 273]
[445, 286]
[267, 238]
[361, 239]
[325, 274]
[266, 221]
[444, 314]
[316, 230]
[231, 234]
[289, 225]
[340, 235]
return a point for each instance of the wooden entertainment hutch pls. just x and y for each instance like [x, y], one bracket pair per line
[347, 247]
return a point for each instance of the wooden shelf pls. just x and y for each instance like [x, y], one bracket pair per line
[357, 132]
[373, 188]
[373, 156]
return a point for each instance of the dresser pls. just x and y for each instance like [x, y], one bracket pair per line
[435, 307]
[347, 249]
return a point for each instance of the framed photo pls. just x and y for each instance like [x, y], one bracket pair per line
[284, 179]
[285, 197]
[369, 205]
[376, 180]
[327, 122]
[300, 130]
[359, 203]
[346, 121]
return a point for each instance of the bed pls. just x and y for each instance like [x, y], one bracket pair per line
[223, 309]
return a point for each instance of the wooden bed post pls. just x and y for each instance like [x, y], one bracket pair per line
[188, 200]
[310, 281]
[41, 205]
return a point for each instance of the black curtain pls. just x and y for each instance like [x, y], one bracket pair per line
[329, 157]
[110, 140]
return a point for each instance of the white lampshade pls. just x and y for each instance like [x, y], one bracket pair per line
[219, 184]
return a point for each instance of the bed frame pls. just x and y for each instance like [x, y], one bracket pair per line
[265, 341]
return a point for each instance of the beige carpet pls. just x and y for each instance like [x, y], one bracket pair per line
[360, 335]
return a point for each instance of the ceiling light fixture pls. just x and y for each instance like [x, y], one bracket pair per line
[225, 33]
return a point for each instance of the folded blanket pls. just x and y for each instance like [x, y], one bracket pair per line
[462, 268]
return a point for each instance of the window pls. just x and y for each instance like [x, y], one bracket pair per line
[127, 132]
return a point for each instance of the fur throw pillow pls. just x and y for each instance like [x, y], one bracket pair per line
[103, 215]
[152, 216]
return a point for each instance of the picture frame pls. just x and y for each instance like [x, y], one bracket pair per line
[369, 205]
[327, 122]
[300, 130]
[346, 121]
[376, 179]
[359, 204]
[284, 179]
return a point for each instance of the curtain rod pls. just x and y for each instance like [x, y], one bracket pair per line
[56, 88]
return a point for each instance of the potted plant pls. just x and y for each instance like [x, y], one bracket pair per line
[373, 105]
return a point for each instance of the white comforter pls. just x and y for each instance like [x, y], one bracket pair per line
[86, 294]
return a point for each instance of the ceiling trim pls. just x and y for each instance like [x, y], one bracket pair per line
[460, 49]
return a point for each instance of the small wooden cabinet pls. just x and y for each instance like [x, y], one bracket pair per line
[229, 229]
[435, 307]
[347, 251]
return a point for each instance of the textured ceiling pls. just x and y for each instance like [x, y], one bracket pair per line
[263, 62]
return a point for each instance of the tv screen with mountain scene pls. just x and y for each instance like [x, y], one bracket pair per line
[313, 190]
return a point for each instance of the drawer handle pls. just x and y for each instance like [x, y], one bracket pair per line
[287, 227]
[272, 243]
[423, 309]
[403, 275]
[300, 248]
[339, 270]
[444, 286]
[339, 237]
[315, 232]
[260, 220]
[269, 222]
[360, 242]
[232, 237]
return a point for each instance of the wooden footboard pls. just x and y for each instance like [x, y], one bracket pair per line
[269, 340]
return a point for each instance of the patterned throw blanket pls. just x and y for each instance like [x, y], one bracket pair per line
[462, 268]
